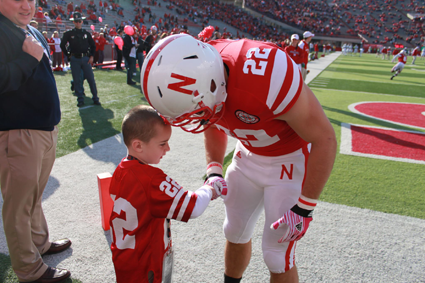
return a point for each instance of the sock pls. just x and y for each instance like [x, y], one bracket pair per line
[228, 279]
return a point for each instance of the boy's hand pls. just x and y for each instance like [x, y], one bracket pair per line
[219, 185]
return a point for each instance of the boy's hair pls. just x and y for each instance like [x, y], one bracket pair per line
[139, 123]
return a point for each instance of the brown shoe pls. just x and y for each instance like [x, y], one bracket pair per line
[53, 275]
[58, 246]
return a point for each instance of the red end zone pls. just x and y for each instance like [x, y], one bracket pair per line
[400, 113]
[386, 143]
[383, 143]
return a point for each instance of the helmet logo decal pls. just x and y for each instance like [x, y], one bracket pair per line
[184, 81]
[246, 118]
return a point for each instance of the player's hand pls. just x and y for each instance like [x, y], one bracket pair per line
[303, 65]
[219, 185]
[90, 60]
[297, 220]
[33, 48]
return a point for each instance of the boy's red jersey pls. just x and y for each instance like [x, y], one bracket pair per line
[145, 198]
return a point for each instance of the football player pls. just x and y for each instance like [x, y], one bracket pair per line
[286, 147]
[402, 58]
[294, 51]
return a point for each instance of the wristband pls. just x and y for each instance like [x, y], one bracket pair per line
[305, 206]
[214, 168]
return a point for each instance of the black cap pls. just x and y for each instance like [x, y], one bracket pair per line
[77, 16]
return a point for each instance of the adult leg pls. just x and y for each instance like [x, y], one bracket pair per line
[236, 258]
[38, 222]
[77, 78]
[23, 155]
[101, 56]
[140, 58]
[88, 74]
[244, 204]
[280, 195]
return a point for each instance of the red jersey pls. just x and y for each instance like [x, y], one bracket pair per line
[263, 84]
[294, 53]
[402, 58]
[415, 52]
[100, 43]
[304, 55]
[145, 198]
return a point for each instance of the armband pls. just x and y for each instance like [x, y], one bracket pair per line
[214, 169]
[305, 206]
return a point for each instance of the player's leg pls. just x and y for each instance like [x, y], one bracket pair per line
[236, 258]
[244, 204]
[285, 178]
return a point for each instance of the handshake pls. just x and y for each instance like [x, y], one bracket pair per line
[219, 185]
[215, 180]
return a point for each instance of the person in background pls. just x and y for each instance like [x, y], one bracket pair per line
[305, 52]
[57, 53]
[118, 51]
[129, 54]
[81, 52]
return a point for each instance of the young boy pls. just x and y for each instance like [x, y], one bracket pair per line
[145, 199]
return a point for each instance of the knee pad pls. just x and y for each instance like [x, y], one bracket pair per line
[279, 258]
[279, 261]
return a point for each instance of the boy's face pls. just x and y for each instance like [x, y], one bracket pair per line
[157, 147]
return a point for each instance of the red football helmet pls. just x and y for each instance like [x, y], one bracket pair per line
[183, 79]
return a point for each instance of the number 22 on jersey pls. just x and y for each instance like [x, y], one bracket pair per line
[251, 64]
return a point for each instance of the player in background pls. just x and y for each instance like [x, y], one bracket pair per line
[402, 58]
[361, 51]
[423, 53]
[286, 147]
[305, 54]
[356, 49]
[145, 199]
[384, 52]
[344, 49]
[294, 51]
[415, 53]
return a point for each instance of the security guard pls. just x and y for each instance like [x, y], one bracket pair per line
[81, 51]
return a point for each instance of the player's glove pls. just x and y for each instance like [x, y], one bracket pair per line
[303, 65]
[297, 219]
[219, 185]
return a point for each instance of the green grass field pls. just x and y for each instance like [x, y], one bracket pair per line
[381, 185]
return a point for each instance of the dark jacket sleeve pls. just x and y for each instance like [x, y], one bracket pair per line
[127, 46]
[16, 66]
[92, 44]
[64, 41]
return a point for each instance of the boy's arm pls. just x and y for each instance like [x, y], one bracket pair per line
[204, 195]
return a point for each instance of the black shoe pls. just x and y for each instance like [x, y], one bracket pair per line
[131, 83]
[97, 103]
[80, 103]
[53, 275]
[391, 78]
[72, 86]
[58, 246]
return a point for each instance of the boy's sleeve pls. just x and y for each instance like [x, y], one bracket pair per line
[167, 199]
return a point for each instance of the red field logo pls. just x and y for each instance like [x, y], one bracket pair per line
[386, 143]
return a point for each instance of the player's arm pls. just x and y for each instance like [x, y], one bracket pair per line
[215, 142]
[309, 121]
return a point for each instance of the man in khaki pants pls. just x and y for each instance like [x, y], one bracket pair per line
[29, 114]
